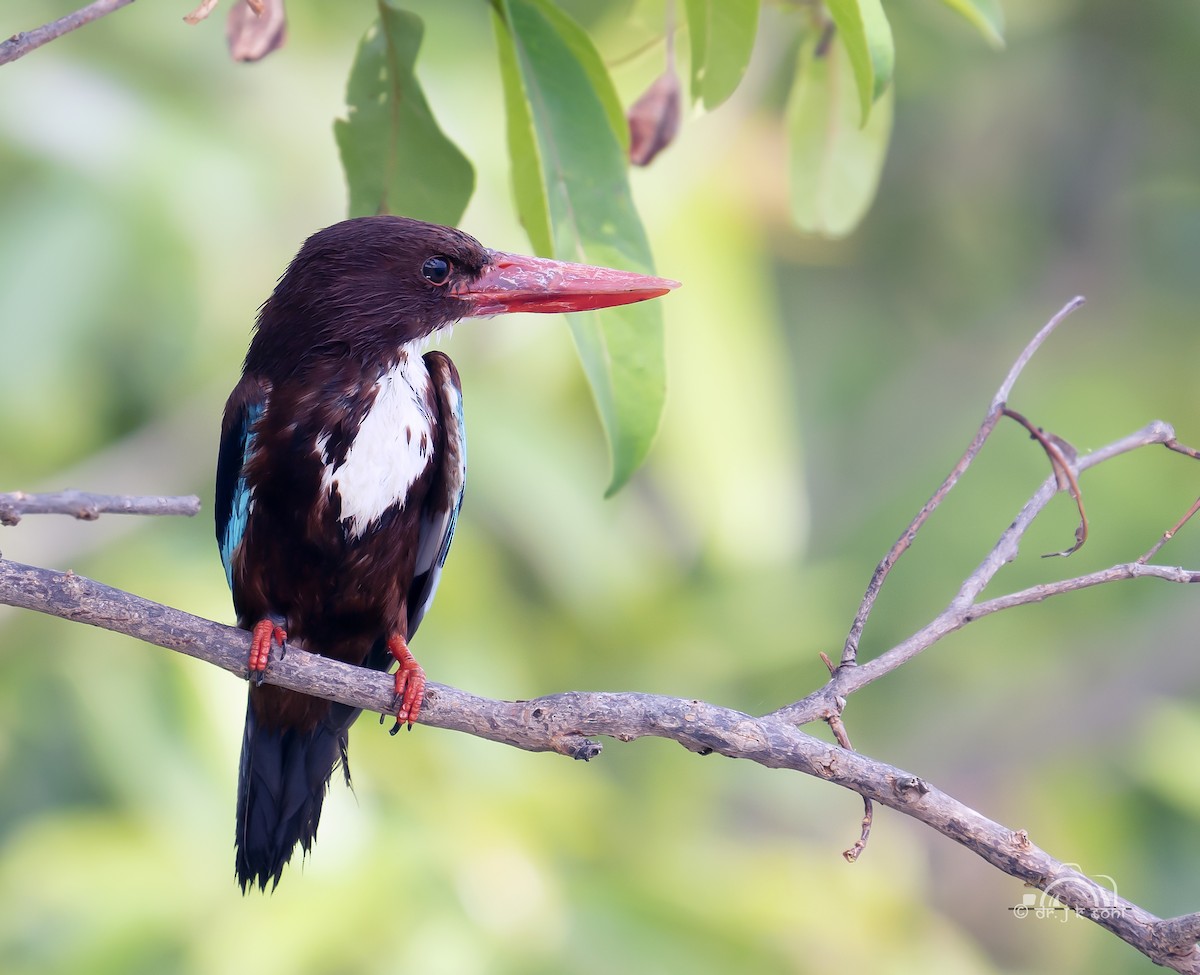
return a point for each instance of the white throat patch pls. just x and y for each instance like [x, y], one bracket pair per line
[390, 451]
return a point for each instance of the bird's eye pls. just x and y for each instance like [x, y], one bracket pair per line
[436, 270]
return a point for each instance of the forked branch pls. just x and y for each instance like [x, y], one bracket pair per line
[994, 413]
[568, 723]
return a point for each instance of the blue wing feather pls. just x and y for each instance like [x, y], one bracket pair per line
[233, 497]
[436, 529]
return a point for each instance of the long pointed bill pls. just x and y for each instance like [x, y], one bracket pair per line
[513, 282]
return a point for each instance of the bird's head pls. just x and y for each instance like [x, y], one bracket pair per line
[365, 287]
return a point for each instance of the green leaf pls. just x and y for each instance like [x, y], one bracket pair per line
[581, 47]
[571, 183]
[396, 158]
[722, 35]
[524, 149]
[986, 15]
[864, 30]
[835, 163]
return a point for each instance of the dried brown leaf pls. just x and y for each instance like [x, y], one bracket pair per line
[253, 33]
[654, 118]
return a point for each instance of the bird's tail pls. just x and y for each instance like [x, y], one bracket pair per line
[282, 781]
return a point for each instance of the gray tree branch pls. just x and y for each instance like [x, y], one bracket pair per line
[23, 42]
[88, 507]
[568, 723]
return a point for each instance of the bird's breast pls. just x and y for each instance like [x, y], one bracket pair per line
[392, 447]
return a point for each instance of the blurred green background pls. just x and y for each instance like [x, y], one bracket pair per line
[150, 194]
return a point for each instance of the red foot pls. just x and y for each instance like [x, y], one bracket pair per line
[410, 684]
[260, 646]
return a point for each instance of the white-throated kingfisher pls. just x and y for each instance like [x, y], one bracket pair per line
[340, 477]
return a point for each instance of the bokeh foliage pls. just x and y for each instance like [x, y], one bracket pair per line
[150, 194]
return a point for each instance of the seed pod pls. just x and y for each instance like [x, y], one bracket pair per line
[255, 28]
[654, 118]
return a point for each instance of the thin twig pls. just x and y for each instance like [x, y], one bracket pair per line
[629, 56]
[963, 609]
[817, 705]
[838, 727]
[850, 649]
[88, 507]
[1056, 450]
[1115, 573]
[22, 43]
[564, 723]
[1170, 532]
[1027, 353]
[860, 844]
[1181, 448]
[1006, 548]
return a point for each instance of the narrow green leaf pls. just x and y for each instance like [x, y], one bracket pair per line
[835, 162]
[396, 158]
[864, 30]
[571, 182]
[722, 38]
[525, 152]
[987, 16]
[580, 45]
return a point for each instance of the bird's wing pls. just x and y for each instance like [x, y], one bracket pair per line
[233, 501]
[440, 513]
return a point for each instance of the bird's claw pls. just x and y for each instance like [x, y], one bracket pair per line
[265, 631]
[410, 685]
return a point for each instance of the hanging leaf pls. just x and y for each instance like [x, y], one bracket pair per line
[835, 162]
[565, 128]
[255, 28]
[867, 36]
[986, 16]
[654, 118]
[722, 33]
[396, 158]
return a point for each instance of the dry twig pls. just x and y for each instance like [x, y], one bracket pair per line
[22, 43]
[1170, 532]
[566, 723]
[88, 507]
[995, 411]
[964, 609]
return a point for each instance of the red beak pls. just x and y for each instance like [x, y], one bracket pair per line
[513, 282]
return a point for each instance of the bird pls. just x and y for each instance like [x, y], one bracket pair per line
[340, 477]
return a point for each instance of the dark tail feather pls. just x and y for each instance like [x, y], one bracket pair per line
[281, 786]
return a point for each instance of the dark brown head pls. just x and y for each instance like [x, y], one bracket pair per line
[363, 288]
